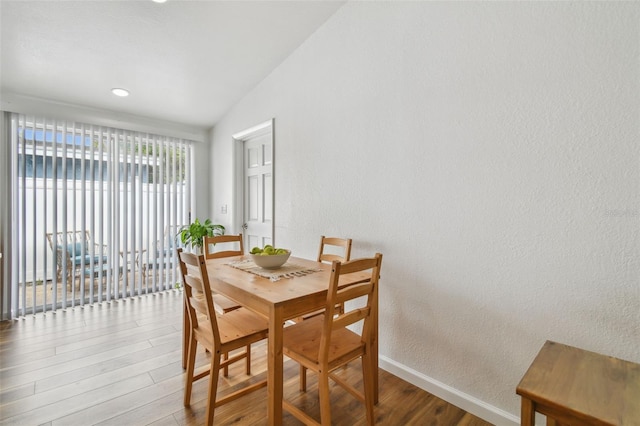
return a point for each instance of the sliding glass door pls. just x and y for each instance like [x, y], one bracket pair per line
[95, 212]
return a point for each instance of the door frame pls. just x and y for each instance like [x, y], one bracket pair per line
[238, 139]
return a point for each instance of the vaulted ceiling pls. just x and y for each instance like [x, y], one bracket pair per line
[185, 62]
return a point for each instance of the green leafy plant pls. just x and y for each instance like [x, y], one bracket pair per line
[193, 234]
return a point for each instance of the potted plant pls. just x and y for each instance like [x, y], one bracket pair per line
[193, 235]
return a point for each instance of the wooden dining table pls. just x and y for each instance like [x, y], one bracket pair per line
[280, 300]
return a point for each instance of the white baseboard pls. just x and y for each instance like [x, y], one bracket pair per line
[453, 396]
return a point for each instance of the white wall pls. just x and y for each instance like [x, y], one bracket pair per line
[490, 151]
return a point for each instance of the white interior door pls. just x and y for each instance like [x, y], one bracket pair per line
[257, 185]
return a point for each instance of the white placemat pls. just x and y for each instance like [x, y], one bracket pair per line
[288, 270]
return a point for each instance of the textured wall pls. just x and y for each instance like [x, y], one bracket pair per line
[490, 151]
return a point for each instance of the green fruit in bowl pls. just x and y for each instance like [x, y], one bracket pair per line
[271, 257]
[268, 250]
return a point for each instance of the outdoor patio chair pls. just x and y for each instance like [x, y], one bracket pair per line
[162, 255]
[75, 252]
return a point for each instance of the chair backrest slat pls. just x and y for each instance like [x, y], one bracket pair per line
[352, 292]
[357, 265]
[350, 317]
[195, 284]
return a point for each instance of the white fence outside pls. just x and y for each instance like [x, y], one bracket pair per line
[111, 217]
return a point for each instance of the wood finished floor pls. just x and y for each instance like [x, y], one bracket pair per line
[119, 363]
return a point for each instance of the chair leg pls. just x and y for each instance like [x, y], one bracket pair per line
[248, 360]
[303, 378]
[225, 356]
[325, 399]
[186, 330]
[367, 379]
[213, 386]
[144, 275]
[191, 364]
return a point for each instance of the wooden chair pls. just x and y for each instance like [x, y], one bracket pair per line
[324, 343]
[212, 250]
[340, 250]
[218, 333]
[232, 245]
[343, 244]
[323, 256]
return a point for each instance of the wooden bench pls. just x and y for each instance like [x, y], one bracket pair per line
[572, 386]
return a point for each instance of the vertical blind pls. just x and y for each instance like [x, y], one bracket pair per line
[95, 212]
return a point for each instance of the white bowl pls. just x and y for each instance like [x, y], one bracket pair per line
[273, 261]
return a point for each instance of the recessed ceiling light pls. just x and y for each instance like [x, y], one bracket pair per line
[120, 92]
[159, 1]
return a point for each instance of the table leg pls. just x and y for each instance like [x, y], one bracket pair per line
[527, 413]
[275, 370]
